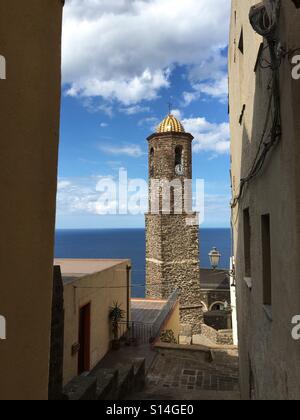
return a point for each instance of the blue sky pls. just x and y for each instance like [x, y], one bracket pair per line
[122, 64]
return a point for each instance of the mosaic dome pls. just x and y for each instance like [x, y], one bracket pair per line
[170, 124]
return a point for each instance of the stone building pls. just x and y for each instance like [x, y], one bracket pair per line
[215, 289]
[265, 149]
[172, 228]
[30, 42]
[215, 298]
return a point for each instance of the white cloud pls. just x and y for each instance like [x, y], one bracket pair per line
[84, 196]
[151, 122]
[103, 125]
[61, 185]
[189, 97]
[135, 109]
[209, 137]
[127, 91]
[93, 107]
[217, 209]
[131, 150]
[209, 78]
[124, 50]
[99, 195]
[216, 88]
[177, 113]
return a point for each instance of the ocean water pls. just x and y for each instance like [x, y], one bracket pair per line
[130, 244]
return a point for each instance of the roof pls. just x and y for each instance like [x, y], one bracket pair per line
[146, 310]
[214, 279]
[170, 124]
[83, 267]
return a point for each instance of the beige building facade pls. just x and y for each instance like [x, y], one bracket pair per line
[265, 148]
[30, 44]
[90, 289]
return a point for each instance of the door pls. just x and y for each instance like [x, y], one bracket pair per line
[84, 339]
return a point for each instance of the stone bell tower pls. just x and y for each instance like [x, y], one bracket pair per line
[172, 229]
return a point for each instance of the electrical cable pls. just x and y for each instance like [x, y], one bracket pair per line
[260, 24]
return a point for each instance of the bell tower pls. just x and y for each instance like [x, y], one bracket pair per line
[172, 228]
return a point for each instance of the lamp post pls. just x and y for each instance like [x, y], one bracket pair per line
[214, 257]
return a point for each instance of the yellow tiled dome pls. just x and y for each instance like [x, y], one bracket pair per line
[170, 124]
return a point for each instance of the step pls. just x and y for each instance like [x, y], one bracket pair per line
[107, 384]
[81, 388]
[139, 367]
[126, 380]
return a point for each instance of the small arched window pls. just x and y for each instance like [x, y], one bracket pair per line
[152, 162]
[178, 155]
[179, 160]
[218, 306]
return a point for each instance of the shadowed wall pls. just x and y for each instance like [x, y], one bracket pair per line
[30, 38]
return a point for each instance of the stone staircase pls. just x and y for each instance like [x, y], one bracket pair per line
[108, 384]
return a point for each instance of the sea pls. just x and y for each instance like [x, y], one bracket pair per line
[130, 244]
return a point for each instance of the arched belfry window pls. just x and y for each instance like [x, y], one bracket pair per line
[152, 153]
[179, 160]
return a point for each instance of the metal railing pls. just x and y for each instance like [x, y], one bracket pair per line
[145, 333]
[135, 333]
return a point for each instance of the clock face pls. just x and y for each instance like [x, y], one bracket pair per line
[179, 169]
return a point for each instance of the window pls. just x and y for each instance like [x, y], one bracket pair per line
[266, 260]
[247, 243]
[152, 162]
[178, 155]
[219, 306]
[179, 160]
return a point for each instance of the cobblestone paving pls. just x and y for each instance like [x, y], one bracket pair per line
[190, 374]
[189, 377]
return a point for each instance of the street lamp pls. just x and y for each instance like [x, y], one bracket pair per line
[214, 257]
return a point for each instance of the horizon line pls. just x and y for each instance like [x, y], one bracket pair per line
[132, 228]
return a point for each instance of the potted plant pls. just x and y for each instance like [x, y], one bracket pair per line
[116, 315]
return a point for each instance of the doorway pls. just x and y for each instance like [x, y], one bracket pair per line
[84, 339]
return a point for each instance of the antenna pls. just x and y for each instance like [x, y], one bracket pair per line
[170, 107]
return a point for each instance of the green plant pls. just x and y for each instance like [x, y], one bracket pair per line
[116, 314]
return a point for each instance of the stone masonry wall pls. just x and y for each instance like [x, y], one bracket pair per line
[172, 243]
